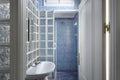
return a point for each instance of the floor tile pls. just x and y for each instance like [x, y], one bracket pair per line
[66, 76]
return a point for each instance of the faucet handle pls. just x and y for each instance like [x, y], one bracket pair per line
[37, 62]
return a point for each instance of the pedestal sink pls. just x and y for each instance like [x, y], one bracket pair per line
[40, 71]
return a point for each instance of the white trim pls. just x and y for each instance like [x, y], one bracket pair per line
[31, 61]
[21, 40]
[33, 43]
[33, 51]
[57, 11]
[83, 2]
[46, 35]
[32, 13]
[78, 54]
[65, 14]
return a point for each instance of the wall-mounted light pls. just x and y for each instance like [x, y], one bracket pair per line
[59, 2]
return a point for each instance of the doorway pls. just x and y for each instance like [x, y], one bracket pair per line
[66, 23]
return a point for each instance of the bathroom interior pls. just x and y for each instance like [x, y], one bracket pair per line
[58, 39]
[51, 36]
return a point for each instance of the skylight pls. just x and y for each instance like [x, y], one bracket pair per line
[58, 2]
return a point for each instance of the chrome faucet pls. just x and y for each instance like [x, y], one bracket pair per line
[35, 64]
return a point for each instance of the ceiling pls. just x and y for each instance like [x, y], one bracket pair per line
[65, 14]
[58, 2]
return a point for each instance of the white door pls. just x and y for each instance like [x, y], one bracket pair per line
[115, 39]
[91, 40]
[105, 63]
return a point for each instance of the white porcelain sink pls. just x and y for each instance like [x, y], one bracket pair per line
[41, 70]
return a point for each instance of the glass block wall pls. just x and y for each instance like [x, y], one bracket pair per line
[32, 22]
[4, 40]
[47, 36]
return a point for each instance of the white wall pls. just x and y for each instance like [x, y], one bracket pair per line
[91, 40]
[85, 40]
[97, 39]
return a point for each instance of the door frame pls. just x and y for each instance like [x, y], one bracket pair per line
[17, 39]
[21, 61]
[96, 41]
[68, 11]
[113, 46]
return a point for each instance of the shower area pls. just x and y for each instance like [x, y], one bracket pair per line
[66, 23]
[58, 37]
[59, 22]
[58, 42]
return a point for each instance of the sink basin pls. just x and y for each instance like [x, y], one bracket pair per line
[40, 71]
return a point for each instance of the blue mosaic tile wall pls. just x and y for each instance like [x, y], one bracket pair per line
[66, 33]
[58, 8]
[66, 45]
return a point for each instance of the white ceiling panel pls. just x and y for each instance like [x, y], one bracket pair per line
[65, 14]
[58, 2]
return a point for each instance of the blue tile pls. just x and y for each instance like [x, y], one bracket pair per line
[42, 44]
[50, 51]
[50, 29]
[42, 59]
[67, 76]
[66, 45]
[42, 37]
[43, 52]
[50, 36]
[42, 29]
[50, 44]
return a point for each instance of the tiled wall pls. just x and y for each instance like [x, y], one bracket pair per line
[58, 8]
[66, 39]
[76, 24]
[66, 45]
